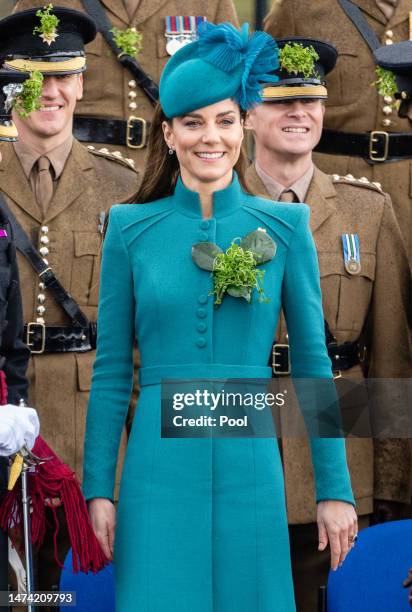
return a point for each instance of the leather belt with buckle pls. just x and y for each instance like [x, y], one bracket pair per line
[375, 147]
[343, 357]
[133, 133]
[41, 338]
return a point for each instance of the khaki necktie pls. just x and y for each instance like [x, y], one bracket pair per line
[287, 196]
[44, 184]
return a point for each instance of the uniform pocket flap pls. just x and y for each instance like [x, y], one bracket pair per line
[86, 243]
[333, 263]
[85, 363]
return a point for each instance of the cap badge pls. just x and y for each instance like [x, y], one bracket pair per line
[47, 30]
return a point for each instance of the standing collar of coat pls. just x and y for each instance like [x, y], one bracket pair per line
[225, 201]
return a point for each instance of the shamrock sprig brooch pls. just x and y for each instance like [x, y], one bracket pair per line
[128, 40]
[387, 87]
[235, 271]
[47, 30]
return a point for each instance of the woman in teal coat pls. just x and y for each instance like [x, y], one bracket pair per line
[201, 523]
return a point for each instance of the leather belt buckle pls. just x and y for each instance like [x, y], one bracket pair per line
[31, 329]
[375, 139]
[281, 360]
[132, 120]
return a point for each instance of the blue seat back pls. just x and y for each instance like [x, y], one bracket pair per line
[372, 574]
[94, 592]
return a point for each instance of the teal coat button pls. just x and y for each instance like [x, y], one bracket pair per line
[202, 299]
[201, 342]
[204, 224]
[201, 313]
[201, 327]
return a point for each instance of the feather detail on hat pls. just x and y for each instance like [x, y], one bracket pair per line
[225, 47]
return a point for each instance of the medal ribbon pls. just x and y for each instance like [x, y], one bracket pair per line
[350, 244]
[183, 24]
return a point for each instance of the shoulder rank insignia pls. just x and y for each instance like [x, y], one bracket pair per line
[113, 155]
[351, 253]
[181, 30]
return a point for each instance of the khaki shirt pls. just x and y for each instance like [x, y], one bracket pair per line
[28, 159]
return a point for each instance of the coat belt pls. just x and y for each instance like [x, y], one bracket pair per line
[153, 375]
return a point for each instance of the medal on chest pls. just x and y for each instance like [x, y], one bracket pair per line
[351, 253]
[181, 30]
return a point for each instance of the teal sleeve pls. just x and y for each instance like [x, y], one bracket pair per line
[113, 368]
[311, 366]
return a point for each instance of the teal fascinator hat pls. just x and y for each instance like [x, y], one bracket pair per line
[223, 63]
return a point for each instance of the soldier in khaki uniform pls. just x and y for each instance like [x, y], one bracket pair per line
[361, 295]
[111, 91]
[60, 192]
[354, 106]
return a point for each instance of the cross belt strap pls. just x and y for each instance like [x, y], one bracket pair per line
[97, 12]
[359, 21]
[48, 277]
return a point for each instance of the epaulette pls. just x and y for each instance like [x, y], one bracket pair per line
[362, 182]
[113, 155]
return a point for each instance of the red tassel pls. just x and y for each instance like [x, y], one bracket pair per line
[53, 484]
[3, 389]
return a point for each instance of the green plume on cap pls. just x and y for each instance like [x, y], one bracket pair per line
[28, 100]
[297, 59]
[47, 29]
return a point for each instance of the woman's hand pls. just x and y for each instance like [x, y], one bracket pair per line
[103, 518]
[338, 525]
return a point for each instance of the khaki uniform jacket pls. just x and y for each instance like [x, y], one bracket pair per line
[110, 90]
[89, 184]
[370, 305]
[354, 105]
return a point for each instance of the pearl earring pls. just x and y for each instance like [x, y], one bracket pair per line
[171, 151]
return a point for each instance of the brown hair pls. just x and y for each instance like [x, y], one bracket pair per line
[161, 172]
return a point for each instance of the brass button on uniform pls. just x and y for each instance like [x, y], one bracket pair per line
[41, 298]
[132, 105]
[44, 251]
[40, 310]
[387, 110]
[132, 94]
[386, 122]
[132, 84]
[388, 99]
[44, 240]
